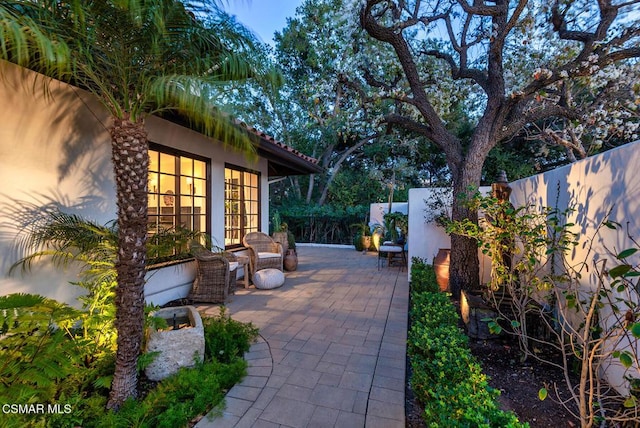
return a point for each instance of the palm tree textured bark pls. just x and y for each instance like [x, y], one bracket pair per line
[131, 165]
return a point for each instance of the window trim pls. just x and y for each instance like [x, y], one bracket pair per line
[259, 213]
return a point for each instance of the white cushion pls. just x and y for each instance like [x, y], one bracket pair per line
[233, 266]
[266, 279]
[269, 255]
[390, 249]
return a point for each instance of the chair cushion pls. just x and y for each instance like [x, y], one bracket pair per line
[269, 255]
[266, 279]
[233, 266]
[390, 249]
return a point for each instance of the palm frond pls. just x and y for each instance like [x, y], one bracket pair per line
[24, 41]
[187, 96]
[65, 238]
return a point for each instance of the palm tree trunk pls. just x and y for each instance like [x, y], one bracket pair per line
[130, 158]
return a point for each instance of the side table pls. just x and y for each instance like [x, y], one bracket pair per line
[244, 262]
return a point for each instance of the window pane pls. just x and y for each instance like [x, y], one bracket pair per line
[200, 223]
[153, 182]
[186, 166]
[253, 222]
[199, 169]
[153, 161]
[167, 163]
[242, 205]
[171, 189]
[167, 184]
[186, 185]
[199, 187]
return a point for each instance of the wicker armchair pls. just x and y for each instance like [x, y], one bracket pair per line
[215, 276]
[264, 252]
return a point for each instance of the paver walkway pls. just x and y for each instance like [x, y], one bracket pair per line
[332, 349]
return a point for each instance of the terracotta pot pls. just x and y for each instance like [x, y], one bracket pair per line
[291, 260]
[441, 268]
[366, 243]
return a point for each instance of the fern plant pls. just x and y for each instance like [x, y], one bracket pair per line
[67, 239]
[35, 352]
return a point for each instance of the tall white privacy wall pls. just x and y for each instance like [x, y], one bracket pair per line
[604, 185]
[379, 209]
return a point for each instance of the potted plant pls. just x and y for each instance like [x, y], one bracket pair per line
[396, 227]
[280, 230]
[362, 239]
[291, 256]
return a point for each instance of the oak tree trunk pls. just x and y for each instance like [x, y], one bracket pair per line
[464, 267]
[130, 158]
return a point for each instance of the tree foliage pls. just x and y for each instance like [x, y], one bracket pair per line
[522, 63]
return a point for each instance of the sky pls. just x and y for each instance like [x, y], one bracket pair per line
[263, 17]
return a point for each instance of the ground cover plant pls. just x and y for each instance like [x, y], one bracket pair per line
[446, 378]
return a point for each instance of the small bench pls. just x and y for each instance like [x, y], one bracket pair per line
[267, 279]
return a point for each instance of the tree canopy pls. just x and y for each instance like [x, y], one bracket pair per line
[522, 83]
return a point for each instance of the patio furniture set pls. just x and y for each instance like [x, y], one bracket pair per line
[216, 272]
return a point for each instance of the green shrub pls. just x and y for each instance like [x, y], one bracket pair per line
[434, 309]
[177, 399]
[446, 377]
[44, 359]
[227, 339]
[423, 277]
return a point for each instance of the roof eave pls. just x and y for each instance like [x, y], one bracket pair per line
[283, 162]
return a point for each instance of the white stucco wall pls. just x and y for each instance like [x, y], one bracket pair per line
[379, 209]
[55, 150]
[595, 186]
[606, 184]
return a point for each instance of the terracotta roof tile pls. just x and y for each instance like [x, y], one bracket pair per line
[273, 141]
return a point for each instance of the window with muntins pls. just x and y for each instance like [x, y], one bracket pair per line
[241, 204]
[178, 191]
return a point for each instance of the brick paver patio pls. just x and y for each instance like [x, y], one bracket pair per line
[332, 346]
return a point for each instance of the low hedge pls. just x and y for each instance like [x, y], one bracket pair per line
[446, 377]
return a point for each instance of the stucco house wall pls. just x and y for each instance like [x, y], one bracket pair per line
[55, 151]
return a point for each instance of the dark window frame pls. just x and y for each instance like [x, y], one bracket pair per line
[242, 228]
[177, 212]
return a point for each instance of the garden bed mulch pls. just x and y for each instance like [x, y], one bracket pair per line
[519, 384]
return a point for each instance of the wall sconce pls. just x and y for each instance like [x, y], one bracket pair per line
[154, 188]
[192, 189]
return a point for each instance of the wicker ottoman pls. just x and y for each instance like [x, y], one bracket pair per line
[266, 279]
